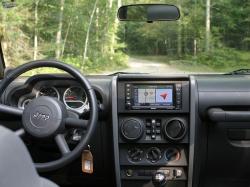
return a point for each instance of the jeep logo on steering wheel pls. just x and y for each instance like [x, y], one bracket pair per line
[40, 116]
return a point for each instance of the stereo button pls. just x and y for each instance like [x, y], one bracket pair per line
[128, 105]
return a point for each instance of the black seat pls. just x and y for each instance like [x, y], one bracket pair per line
[16, 166]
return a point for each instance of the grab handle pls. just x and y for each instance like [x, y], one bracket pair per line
[220, 115]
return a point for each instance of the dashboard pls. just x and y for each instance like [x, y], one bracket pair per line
[169, 131]
[153, 130]
[65, 89]
[73, 97]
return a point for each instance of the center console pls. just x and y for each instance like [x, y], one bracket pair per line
[153, 132]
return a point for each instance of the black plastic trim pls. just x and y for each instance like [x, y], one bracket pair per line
[2, 62]
[115, 132]
[192, 127]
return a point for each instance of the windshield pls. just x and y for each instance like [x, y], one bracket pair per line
[211, 36]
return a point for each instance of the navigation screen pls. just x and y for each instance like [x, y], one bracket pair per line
[156, 95]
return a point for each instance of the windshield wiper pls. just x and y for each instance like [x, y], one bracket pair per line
[239, 72]
[122, 72]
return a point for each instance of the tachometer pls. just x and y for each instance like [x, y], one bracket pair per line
[48, 91]
[75, 98]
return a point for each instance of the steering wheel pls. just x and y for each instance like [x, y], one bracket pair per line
[46, 117]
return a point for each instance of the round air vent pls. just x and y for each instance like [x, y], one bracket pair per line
[175, 129]
[132, 129]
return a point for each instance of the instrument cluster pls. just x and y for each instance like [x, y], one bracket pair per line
[74, 97]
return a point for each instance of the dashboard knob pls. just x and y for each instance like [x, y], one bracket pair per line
[175, 129]
[135, 154]
[132, 129]
[172, 154]
[154, 154]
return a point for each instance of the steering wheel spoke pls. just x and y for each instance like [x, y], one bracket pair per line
[62, 144]
[20, 132]
[11, 110]
[76, 123]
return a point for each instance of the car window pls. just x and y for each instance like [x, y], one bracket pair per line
[211, 36]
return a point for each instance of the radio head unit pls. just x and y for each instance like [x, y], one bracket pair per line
[153, 96]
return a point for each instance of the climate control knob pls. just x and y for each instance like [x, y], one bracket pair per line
[172, 154]
[175, 129]
[135, 154]
[132, 129]
[154, 154]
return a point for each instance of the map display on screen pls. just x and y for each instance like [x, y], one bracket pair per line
[159, 95]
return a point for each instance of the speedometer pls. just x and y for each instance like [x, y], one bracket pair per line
[75, 98]
[48, 91]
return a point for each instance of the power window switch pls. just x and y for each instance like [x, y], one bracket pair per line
[177, 173]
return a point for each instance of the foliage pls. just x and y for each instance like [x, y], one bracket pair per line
[224, 59]
[18, 33]
[99, 64]
[183, 44]
[109, 43]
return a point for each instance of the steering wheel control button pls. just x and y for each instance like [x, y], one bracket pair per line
[132, 129]
[43, 117]
[175, 129]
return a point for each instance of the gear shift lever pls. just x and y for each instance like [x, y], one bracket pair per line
[159, 179]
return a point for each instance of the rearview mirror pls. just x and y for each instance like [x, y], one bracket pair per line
[148, 12]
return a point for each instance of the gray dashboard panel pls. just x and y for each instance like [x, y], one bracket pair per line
[224, 161]
[223, 91]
